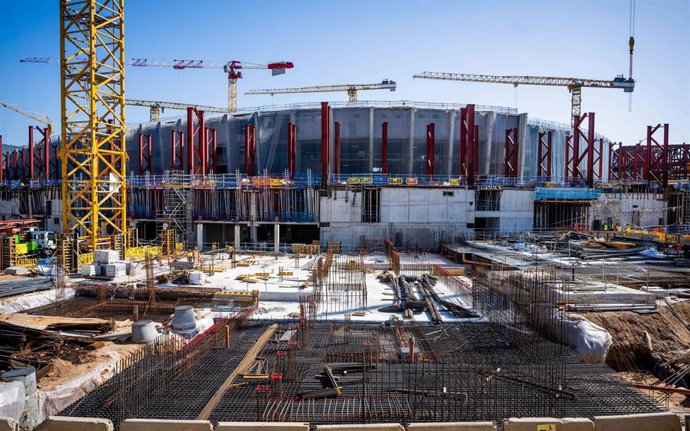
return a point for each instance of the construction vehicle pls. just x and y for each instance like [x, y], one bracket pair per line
[31, 242]
[351, 89]
[232, 68]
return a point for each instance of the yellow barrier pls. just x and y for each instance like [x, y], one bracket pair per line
[27, 263]
[360, 180]
[395, 181]
[139, 253]
[85, 259]
[455, 181]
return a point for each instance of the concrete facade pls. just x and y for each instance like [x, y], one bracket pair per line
[415, 216]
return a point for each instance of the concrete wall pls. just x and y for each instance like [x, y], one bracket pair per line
[421, 217]
[643, 209]
[516, 212]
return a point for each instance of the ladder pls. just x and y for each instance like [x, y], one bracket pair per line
[67, 255]
[8, 256]
[174, 211]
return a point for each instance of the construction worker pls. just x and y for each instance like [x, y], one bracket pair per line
[231, 252]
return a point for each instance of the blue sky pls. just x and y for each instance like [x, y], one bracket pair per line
[355, 41]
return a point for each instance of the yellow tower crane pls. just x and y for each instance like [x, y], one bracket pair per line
[92, 72]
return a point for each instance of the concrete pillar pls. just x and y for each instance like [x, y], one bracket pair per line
[200, 236]
[276, 237]
[522, 149]
[238, 233]
[451, 141]
[371, 139]
[486, 157]
[410, 149]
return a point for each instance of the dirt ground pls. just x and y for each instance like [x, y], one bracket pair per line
[640, 340]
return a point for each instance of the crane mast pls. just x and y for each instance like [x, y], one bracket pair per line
[92, 150]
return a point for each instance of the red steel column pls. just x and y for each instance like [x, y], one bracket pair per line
[190, 140]
[384, 148]
[656, 162]
[292, 148]
[211, 148]
[15, 165]
[544, 157]
[510, 156]
[46, 139]
[145, 154]
[177, 150]
[203, 148]
[250, 150]
[196, 133]
[31, 153]
[325, 142]
[336, 148]
[590, 151]
[430, 142]
[468, 151]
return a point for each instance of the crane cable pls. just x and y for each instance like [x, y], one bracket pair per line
[631, 46]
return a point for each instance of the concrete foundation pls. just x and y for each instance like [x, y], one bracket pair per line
[358, 427]
[63, 423]
[452, 426]
[641, 422]
[262, 426]
[164, 425]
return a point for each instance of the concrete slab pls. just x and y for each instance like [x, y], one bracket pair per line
[262, 426]
[64, 423]
[358, 427]
[578, 424]
[531, 424]
[7, 424]
[640, 422]
[452, 426]
[165, 425]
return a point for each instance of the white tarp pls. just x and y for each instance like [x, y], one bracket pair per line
[21, 303]
[591, 342]
[12, 395]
